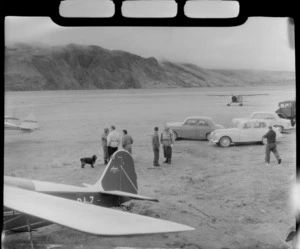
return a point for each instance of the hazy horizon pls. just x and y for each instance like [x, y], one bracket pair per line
[259, 44]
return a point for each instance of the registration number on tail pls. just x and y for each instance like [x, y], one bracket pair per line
[86, 199]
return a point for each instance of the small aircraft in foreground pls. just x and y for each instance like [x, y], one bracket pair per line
[30, 204]
[29, 124]
[236, 98]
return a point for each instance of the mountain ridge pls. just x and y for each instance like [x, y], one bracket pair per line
[74, 67]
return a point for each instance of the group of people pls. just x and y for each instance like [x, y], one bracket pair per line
[111, 140]
[166, 139]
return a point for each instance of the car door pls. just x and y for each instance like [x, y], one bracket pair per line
[246, 132]
[189, 128]
[260, 128]
[202, 129]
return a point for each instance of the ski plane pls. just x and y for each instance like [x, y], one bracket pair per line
[30, 204]
[28, 125]
[236, 98]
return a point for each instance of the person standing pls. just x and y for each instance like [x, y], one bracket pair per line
[104, 145]
[167, 140]
[113, 141]
[127, 141]
[271, 145]
[155, 146]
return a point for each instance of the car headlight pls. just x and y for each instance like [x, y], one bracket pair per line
[213, 135]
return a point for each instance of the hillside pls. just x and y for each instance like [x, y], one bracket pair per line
[29, 67]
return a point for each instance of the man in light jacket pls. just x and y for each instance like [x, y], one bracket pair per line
[113, 141]
[167, 140]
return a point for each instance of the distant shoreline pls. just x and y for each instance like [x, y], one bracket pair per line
[157, 91]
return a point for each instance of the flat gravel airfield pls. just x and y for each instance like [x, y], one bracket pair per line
[229, 195]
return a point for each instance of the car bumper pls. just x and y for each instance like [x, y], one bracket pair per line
[214, 140]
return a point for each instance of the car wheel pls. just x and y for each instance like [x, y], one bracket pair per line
[280, 128]
[225, 141]
[264, 141]
[208, 135]
[175, 135]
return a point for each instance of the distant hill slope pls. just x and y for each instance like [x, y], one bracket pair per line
[29, 67]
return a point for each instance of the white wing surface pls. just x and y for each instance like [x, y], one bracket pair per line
[254, 94]
[125, 194]
[30, 123]
[220, 95]
[85, 217]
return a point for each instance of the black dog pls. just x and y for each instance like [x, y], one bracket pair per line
[88, 160]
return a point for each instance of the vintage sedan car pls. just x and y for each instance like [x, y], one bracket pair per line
[273, 119]
[243, 131]
[195, 127]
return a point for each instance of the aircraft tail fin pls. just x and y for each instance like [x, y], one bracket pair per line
[119, 174]
[30, 123]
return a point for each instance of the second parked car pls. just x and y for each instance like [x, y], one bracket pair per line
[273, 119]
[195, 127]
[243, 131]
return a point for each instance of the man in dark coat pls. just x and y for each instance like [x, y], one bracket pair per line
[127, 141]
[155, 146]
[104, 145]
[271, 145]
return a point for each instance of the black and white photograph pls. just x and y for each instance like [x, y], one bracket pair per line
[149, 137]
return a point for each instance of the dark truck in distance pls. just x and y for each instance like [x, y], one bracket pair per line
[287, 109]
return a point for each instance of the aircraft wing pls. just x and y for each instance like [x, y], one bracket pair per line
[86, 218]
[30, 123]
[219, 95]
[125, 194]
[254, 94]
[7, 118]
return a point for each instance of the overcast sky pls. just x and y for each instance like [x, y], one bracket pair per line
[261, 43]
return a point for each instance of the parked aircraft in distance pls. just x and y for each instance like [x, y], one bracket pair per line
[29, 124]
[236, 98]
[30, 204]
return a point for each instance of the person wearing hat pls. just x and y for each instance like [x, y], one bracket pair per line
[127, 141]
[104, 145]
[167, 140]
[155, 146]
[271, 145]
